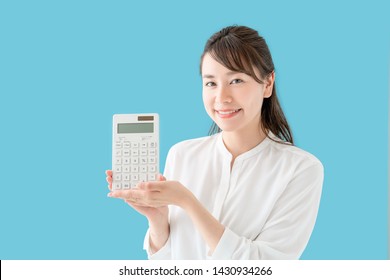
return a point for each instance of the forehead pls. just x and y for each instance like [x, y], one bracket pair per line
[212, 67]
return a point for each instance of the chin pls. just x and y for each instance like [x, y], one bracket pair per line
[227, 128]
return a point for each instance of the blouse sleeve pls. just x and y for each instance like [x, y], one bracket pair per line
[163, 254]
[289, 226]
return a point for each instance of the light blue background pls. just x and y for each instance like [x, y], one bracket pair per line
[67, 66]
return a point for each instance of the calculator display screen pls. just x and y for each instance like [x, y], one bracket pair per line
[135, 128]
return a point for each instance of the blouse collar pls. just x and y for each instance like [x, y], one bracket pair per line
[255, 150]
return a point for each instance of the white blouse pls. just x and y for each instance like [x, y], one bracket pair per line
[268, 201]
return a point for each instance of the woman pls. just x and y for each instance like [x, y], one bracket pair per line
[245, 192]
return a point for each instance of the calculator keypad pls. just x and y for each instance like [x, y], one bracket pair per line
[135, 161]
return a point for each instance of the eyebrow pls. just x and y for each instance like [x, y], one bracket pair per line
[230, 73]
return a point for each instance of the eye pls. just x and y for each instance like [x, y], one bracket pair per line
[236, 81]
[210, 84]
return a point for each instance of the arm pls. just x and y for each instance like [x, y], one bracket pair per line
[158, 233]
[209, 227]
[284, 236]
[162, 193]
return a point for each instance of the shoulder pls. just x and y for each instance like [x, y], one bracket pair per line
[294, 152]
[188, 155]
[301, 170]
[196, 145]
[295, 157]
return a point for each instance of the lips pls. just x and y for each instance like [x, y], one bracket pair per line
[227, 113]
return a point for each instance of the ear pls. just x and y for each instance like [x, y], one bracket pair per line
[269, 84]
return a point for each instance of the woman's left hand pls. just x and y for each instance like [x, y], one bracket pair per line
[156, 194]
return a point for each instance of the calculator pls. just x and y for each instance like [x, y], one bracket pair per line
[135, 149]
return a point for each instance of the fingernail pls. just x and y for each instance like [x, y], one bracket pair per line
[109, 194]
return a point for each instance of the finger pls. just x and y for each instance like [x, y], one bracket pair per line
[109, 187]
[151, 186]
[124, 194]
[109, 173]
[161, 177]
[109, 179]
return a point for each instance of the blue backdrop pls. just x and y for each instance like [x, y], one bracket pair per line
[67, 66]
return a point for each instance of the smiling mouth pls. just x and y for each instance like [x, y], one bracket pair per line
[227, 113]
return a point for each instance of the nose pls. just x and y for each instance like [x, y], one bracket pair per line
[223, 95]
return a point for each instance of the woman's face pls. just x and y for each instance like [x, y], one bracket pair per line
[233, 100]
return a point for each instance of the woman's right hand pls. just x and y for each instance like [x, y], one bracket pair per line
[157, 218]
[154, 215]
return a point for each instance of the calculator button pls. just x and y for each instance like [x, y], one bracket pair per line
[126, 177]
[118, 177]
[152, 152]
[126, 169]
[133, 184]
[126, 161]
[152, 168]
[118, 169]
[126, 153]
[134, 160]
[134, 144]
[152, 144]
[118, 153]
[143, 153]
[143, 160]
[126, 185]
[118, 145]
[126, 145]
[118, 161]
[134, 153]
[142, 177]
[143, 169]
[151, 177]
[144, 145]
[116, 186]
[152, 160]
[134, 177]
[134, 168]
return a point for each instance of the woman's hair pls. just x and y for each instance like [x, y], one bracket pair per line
[242, 49]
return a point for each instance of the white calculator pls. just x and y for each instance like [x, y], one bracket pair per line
[135, 149]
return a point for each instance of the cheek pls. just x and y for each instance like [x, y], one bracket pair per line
[253, 101]
[258, 96]
[208, 104]
[207, 100]
[257, 104]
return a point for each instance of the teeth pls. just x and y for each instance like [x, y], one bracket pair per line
[228, 112]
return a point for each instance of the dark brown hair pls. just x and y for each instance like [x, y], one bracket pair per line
[242, 49]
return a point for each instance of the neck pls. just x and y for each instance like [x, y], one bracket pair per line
[239, 142]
